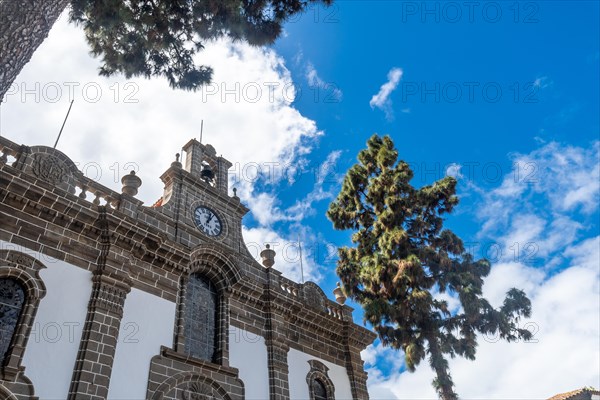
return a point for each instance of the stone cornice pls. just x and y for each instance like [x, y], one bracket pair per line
[187, 359]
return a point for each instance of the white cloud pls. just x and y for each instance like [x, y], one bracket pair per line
[542, 82]
[117, 125]
[326, 174]
[287, 258]
[560, 275]
[566, 177]
[453, 170]
[247, 111]
[562, 356]
[329, 88]
[382, 99]
[266, 207]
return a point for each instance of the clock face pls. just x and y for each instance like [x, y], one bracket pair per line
[207, 221]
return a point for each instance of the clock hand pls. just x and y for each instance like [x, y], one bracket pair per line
[209, 218]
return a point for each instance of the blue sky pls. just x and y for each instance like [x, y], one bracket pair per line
[503, 95]
[478, 88]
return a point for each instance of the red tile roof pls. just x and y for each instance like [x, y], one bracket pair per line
[158, 203]
[572, 394]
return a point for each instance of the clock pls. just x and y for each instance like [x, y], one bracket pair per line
[207, 221]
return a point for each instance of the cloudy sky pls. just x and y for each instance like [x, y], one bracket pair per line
[502, 95]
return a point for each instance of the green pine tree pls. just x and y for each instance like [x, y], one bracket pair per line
[402, 257]
[143, 37]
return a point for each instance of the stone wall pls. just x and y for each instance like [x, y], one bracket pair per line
[49, 208]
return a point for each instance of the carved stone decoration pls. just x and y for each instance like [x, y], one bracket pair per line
[109, 294]
[49, 168]
[320, 386]
[198, 391]
[18, 258]
[317, 365]
[314, 296]
[174, 376]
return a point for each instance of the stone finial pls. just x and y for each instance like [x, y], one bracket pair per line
[176, 163]
[131, 183]
[268, 257]
[339, 294]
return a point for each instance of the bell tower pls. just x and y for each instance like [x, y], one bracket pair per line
[196, 198]
[202, 161]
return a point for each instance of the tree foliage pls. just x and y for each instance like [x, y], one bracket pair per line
[160, 37]
[403, 257]
[143, 37]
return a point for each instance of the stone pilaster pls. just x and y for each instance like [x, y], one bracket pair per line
[222, 355]
[222, 174]
[277, 347]
[194, 156]
[277, 353]
[354, 364]
[93, 367]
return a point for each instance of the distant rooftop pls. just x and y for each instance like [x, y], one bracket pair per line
[586, 393]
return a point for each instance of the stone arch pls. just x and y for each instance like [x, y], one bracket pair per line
[6, 394]
[24, 269]
[318, 371]
[223, 273]
[190, 386]
[215, 265]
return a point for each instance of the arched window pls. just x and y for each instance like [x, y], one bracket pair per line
[318, 390]
[12, 299]
[320, 386]
[201, 302]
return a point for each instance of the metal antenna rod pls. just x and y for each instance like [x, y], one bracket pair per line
[301, 267]
[201, 129]
[63, 125]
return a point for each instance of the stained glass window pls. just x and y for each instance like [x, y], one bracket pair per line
[318, 389]
[200, 318]
[12, 298]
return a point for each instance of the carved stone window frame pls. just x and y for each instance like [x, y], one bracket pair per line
[318, 371]
[217, 268]
[25, 270]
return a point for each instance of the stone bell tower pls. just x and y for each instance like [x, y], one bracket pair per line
[202, 161]
[196, 198]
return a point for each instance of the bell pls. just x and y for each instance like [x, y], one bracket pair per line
[206, 174]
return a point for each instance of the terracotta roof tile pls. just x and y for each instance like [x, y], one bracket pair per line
[158, 203]
[572, 394]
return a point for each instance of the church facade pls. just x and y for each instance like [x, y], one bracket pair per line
[102, 297]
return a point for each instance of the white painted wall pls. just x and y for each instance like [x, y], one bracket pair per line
[299, 368]
[248, 353]
[148, 322]
[56, 332]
